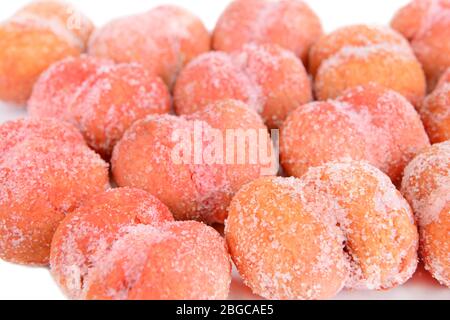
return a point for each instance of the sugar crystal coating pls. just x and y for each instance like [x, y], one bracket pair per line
[338, 223]
[435, 111]
[161, 154]
[86, 233]
[63, 13]
[359, 35]
[163, 40]
[288, 23]
[33, 39]
[16, 132]
[271, 80]
[53, 92]
[282, 250]
[426, 23]
[46, 171]
[101, 98]
[426, 186]
[175, 261]
[360, 55]
[395, 123]
[341, 225]
[381, 237]
[366, 123]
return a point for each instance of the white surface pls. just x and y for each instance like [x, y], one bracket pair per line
[19, 282]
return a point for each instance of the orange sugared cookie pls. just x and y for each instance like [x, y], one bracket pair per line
[195, 164]
[342, 225]
[359, 35]
[61, 12]
[271, 80]
[85, 234]
[359, 55]
[426, 23]
[102, 99]
[34, 38]
[46, 171]
[163, 40]
[280, 248]
[288, 23]
[381, 238]
[426, 185]
[435, 111]
[366, 123]
[174, 261]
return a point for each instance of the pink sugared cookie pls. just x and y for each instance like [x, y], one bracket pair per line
[163, 40]
[46, 171]
[367, 123]
[174, 261]
[85, 234]
[102, 99]
[270, 79]
[289, 23]
[190, 164]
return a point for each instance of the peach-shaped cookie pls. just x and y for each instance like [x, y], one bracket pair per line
[281, 249]
[31, 41]
[63, 13]
[289, 23]
[211, 77]
[271, 80]
[435, 111]
[426, 185]
[147, 157]
[319, 132]
[174, 261]
[46, 171]
[426, 23]
[163, 40]
[55, 89]
[195, 164]
[359, 35]
[367, 123]
[100, 98]
[86, 233]
[360, 55]
[14, 133]
[342, 224]
[249, 159]
[381, 238]
[394, 121]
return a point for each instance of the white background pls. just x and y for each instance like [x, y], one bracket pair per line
[19, 282]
